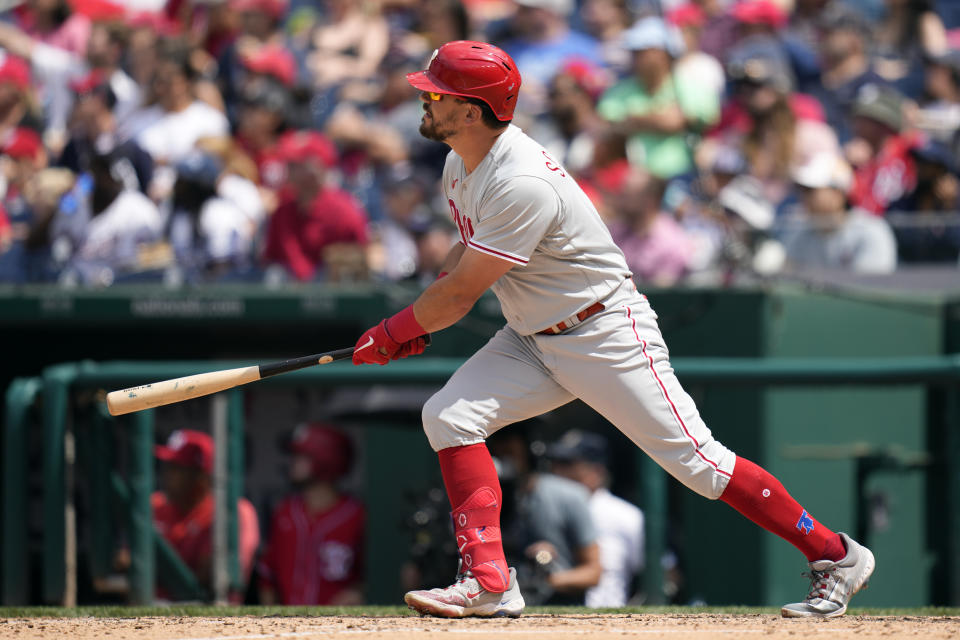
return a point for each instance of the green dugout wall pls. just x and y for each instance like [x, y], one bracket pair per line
[820, 440]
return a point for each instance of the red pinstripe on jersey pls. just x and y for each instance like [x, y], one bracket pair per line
[666, 395]
[510, 257]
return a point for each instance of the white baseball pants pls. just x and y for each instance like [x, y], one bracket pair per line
[615, 361]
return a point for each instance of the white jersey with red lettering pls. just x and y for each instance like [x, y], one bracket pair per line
[523, 207]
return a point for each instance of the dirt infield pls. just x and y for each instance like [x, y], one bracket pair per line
[695, 626]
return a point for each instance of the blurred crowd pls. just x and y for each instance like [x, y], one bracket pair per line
[273, 141]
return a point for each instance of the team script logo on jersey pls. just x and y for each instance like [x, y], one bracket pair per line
[553, 165]
[464, 223]
[805, 523]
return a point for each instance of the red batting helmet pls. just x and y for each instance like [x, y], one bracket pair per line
[328, 448]
[472, 70]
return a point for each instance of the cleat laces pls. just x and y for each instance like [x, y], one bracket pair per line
[822, 583]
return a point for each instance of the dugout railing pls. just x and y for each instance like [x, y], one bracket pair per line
[151, 559]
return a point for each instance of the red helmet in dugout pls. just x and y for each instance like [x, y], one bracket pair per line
[329, 450]
[472, 70]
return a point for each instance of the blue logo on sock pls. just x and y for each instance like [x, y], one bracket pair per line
[805, 523]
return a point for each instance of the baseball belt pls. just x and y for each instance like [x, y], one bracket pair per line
[573, 321]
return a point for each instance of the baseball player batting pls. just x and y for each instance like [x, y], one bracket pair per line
[576, 328]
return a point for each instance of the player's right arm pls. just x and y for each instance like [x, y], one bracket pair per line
[449, 299]
[441, 305]
[453, 258]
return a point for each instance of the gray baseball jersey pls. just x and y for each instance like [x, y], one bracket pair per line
[523, 207]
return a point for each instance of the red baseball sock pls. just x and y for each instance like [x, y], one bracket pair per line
[760, 497]
[475, 496]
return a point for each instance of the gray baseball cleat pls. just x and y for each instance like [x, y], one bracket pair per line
[465, 598]
[832, 584]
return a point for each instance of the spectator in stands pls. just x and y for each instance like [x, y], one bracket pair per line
[657, 249]
[29, 201]
[54, 69]
[349, 45]
[543, 41]
[845, 67]
[314, 217]
[93, 131]
[183, 509]
[880, 151]
[211, 235]
[102, 229]
[694, 64]
[550, 536]
[405, 195]
[261, 119]
[607, 21]
[775, 129]
[720, 28]
[831, 235]
[260, 23]
[172, 127]
[53, 22]
[939, 113]
[582, 457]
[314, 553]
[927, 221]
[909, 31]
[17, 103]
[747, 250]
[574, 126]
[654, 107]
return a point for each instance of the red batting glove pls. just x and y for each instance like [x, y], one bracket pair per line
[411, 348]
[376, 346]
[379, 345]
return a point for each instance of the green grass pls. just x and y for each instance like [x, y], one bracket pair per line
[203, 611]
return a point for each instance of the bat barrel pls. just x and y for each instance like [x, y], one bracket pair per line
[158, 394]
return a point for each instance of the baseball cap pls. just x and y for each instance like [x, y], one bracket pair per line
[561, 7]
[579, 445]
[187, 448]
[686, 15]
[98, 10]
[273, 60]
[880, 103]
[303, 146]
[22, 143]
[14, 70]
[823, 171]
[761, 60]
[653, 33]
[94, 79]
[839, 16]
[156, 21]
[760, 12]
[744, 197]
[329, 449]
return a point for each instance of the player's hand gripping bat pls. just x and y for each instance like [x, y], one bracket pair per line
[157, 394]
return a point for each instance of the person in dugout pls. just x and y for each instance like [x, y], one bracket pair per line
[314, 553]
[183, 509]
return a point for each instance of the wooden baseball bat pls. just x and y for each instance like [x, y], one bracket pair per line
[158, 394]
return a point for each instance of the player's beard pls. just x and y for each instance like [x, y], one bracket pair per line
[431, 129]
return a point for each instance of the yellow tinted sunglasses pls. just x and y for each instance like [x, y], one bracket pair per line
[436, 97]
